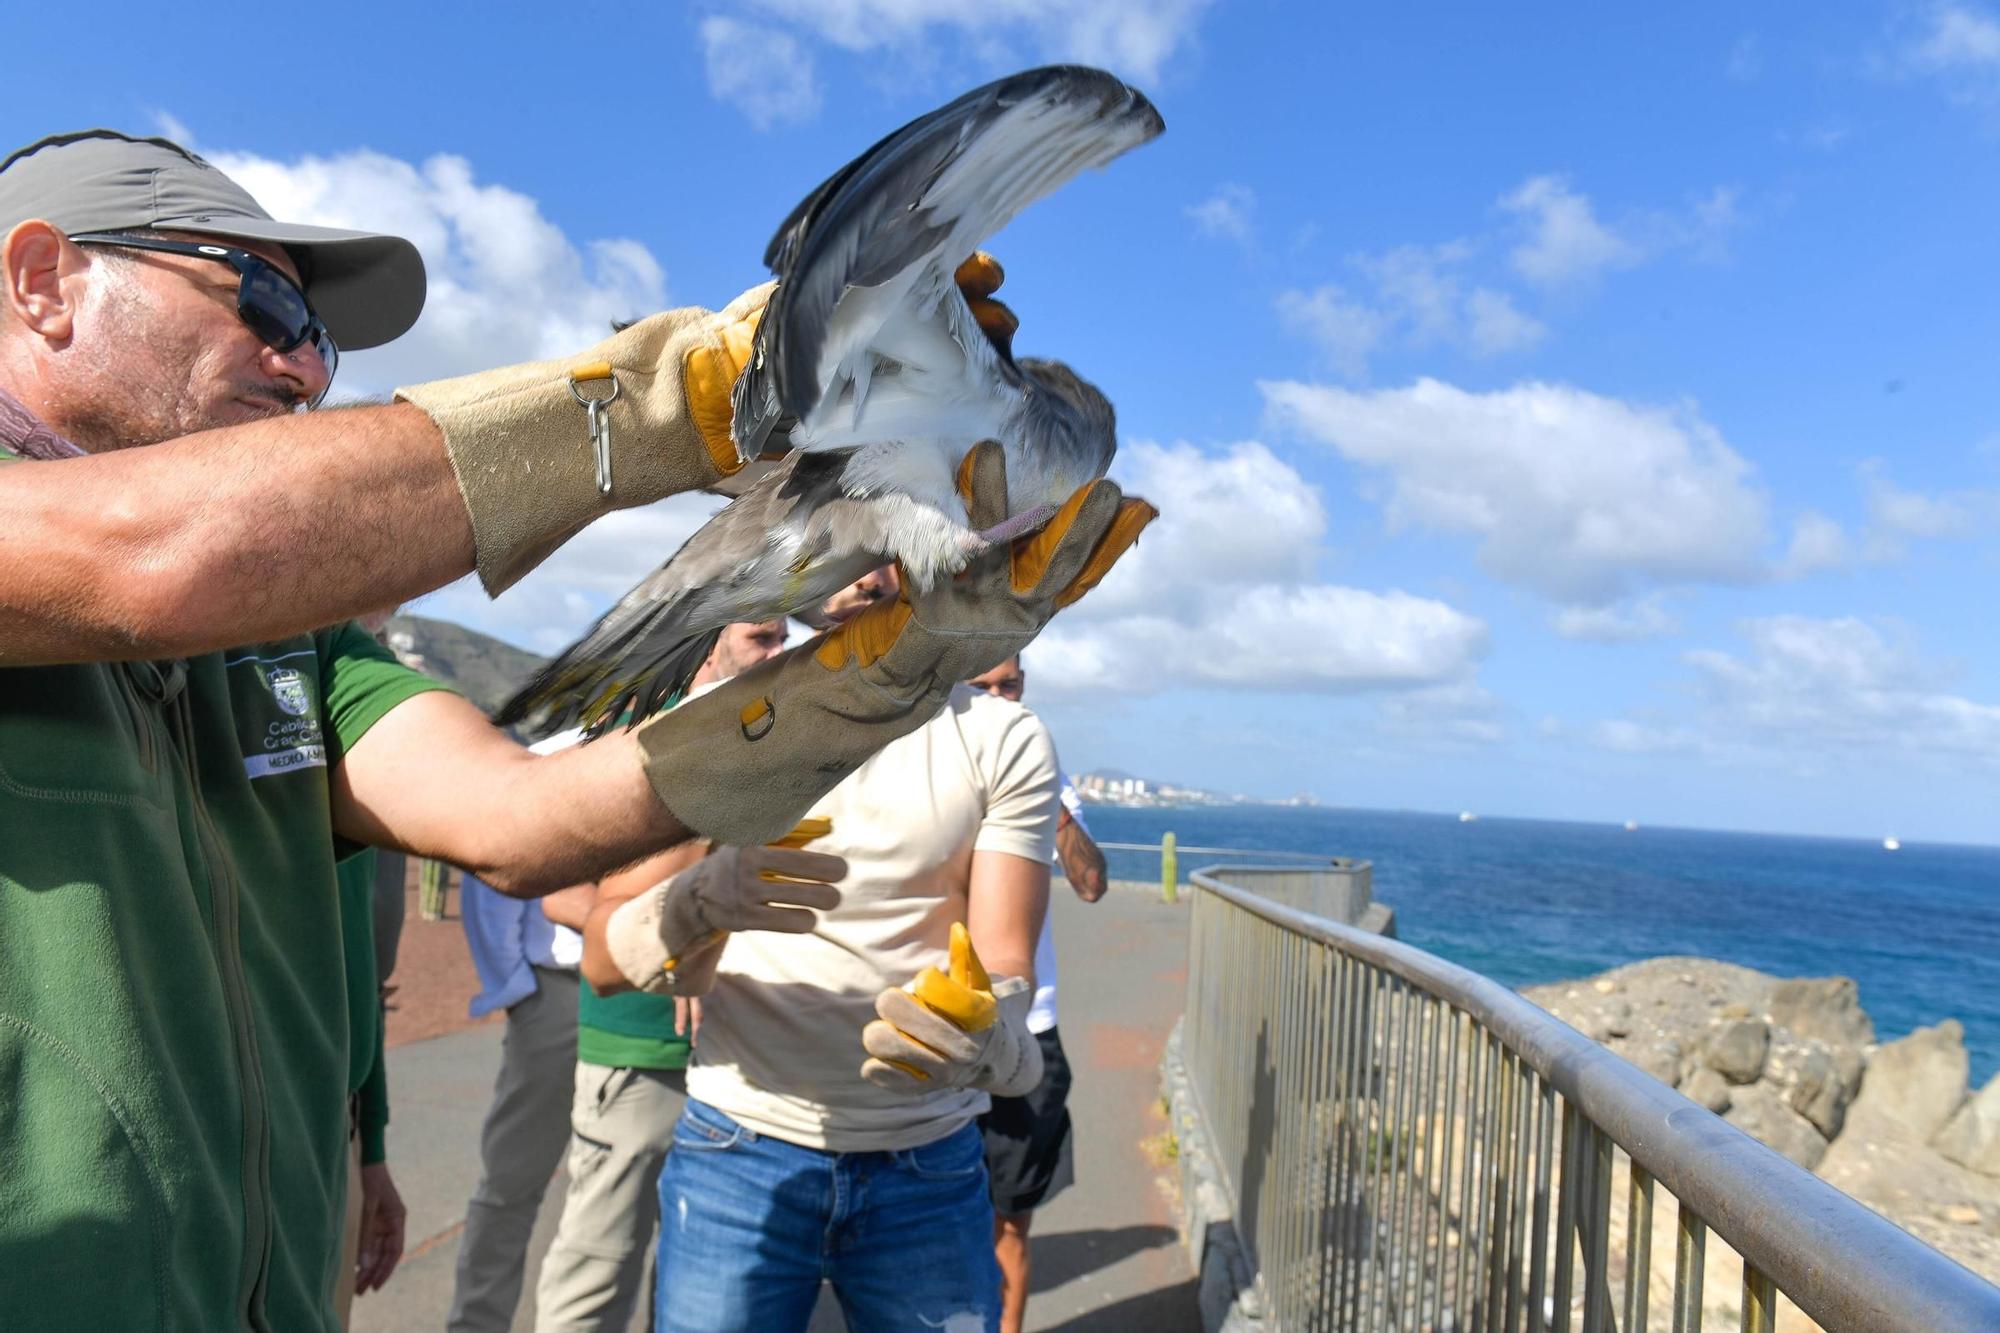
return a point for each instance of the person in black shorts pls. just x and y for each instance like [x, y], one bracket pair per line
[1028, 1155]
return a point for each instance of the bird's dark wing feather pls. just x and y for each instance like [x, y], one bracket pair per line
[925, 195]
[647, 648]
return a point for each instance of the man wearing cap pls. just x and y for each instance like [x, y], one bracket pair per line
[184, 746]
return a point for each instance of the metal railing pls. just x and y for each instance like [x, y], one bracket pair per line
[1410, 1145]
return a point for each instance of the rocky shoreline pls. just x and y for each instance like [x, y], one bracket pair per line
[1794, 1063]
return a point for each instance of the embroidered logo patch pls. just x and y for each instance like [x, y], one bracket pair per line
[289, 688]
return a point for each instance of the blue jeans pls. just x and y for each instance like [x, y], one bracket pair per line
[751, 1225]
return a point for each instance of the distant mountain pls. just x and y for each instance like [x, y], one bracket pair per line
[479, 666]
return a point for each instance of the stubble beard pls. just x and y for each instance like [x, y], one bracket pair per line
[146, 392]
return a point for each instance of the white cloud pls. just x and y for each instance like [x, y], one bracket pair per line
[1494, 325]
[1420, 298]
[1346, 330]
[763, 71]
[1454, 715]
[1228, 520]
[1221, 591]
[1580, 497]
[1746, 59]
[562, 597]
[1818, 543]
[1837, 686]
[1896, 515]
[1627, 736]
[1619, 622]
[1134, 37]
[505, 283]
[1565, 244]
[1955, 38]
[1313, 638]
[1812, 696]
[1229, 213]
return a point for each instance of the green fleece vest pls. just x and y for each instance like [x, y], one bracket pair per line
[173, 1008]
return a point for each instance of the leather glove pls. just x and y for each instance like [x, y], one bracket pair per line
[957, 1031]
[523, 447]
[744, 761]
[669, 939]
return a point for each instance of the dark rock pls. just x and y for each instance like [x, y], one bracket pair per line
[1917, 1083]
[1737, 1049]
[1661, 1059]
[1822, 1009]
[1760, 1113]
[1819, 1094]
[1972, 1137]
[1707, 1088]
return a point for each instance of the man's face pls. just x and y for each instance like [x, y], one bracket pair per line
[742, 646]
[1006, 680]
[164, 353]
[874, 586]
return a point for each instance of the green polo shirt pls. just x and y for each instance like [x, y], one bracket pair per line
[629, 1030]
[173, 999]
[367, 1072]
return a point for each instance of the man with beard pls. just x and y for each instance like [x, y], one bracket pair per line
[184, 750]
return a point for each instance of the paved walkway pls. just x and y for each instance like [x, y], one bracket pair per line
[1106, 1258]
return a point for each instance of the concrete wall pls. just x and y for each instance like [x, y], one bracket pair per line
[1341, 891]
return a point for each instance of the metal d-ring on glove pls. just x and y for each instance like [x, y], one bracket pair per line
[600, 424]
[534, 471]
[668, 940]
[741, 763]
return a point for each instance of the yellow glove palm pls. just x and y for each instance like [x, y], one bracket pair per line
[955, 1030]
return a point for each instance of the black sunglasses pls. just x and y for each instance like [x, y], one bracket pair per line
[270, 303]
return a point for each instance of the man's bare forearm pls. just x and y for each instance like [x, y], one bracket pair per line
[435, 778]
[599, 969]
[1082, 861]
[233, 536]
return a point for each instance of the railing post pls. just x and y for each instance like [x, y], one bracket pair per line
[1170, 869]
[430, 889]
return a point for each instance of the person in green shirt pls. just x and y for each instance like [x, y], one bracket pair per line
[192, 728]
[632, 1054]
[372, 1241]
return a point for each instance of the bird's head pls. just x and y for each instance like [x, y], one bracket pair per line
[1092, 408]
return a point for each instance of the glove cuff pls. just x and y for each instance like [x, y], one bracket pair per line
[1012, 1066]
[742, 764]
[521, 447]
[661, 943]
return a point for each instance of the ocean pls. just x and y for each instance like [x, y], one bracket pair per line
[1528, 901]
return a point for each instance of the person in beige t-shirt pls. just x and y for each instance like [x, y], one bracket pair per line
[798, 1160]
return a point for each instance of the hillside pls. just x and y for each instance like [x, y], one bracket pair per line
[480, 667]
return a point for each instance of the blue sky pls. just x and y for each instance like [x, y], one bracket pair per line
[1576, 412]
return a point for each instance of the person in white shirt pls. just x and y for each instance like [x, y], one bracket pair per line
[631, 1083]
[797, 1161]
[1029, 1158]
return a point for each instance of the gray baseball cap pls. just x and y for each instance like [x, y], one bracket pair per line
[367, 289]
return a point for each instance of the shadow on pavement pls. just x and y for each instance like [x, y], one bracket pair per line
[1162, 1308]
[1068, 1255]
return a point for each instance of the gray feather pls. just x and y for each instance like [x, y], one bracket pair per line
[886, 213]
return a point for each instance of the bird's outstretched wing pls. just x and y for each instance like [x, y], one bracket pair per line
[865, 262]
[783, 544]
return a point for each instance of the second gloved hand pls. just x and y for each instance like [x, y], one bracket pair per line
[668, 939]
[955, 1030]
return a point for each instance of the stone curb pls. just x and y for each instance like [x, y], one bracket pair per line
[1229, 1287]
